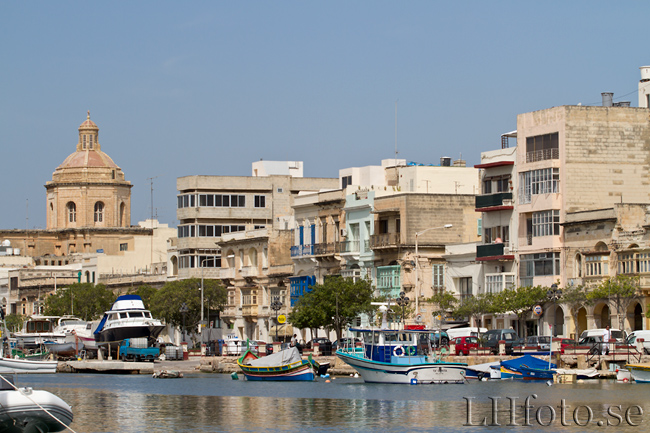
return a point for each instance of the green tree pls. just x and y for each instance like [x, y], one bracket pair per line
[333, 304]
[475, 307]
[443, 303]
[519, 301]
[166, 302]
[14, 322]
[621, 290]
[84, 300]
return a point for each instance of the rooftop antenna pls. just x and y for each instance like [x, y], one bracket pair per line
[396, 132]
[150, 179]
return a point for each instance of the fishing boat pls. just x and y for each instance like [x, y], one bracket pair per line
[127, 318]
[24, 410]
[488, 370]
[639, 372]
[37, 330]
[285, 365]
[404, 356]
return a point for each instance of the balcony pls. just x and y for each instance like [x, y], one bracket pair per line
[329, 248]
[350, 247]
[250, 310]
[249, 271]
[385, 240]
[542, 155]
[498, 251]
[302, 250]
[229, 311]
[493, 202]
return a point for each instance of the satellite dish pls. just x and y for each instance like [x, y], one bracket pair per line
[418, 318]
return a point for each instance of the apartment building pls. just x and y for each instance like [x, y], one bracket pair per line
[238, 229]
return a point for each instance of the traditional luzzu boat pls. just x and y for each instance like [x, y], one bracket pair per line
[639, 372]
[282, 366]
[400, 356]
[24, 410]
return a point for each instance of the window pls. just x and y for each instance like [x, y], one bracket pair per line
[222, 200]
[280, 190]
[496, 184]
[84, 142]
[546, 223]
[345, 181]
[186, 200]
[438, 277]
[72, 212]
[543, 181]
[632, 263]
[596, 265]
[495, 283]
[99, 211]
[91, 141]
[124, 247]
[209, 261]
[542, 147]
[187, 231]
[260, 201]
[540, 264]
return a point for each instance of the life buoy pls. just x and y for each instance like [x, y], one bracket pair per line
[398, 351]
[411, 350]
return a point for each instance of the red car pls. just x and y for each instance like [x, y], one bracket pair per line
[464, 344]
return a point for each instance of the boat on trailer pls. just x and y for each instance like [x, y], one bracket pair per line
[400, 356]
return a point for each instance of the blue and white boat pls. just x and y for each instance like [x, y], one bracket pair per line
[127, 318]
[527, 367]
[400, 356]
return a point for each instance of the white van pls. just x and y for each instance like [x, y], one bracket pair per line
[465, 332]
[616, 334]
[631, 339]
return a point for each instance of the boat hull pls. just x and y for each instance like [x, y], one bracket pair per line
[116, 334]
[303, 372]
[8, 365]
[20, 411]
[639, 372]
[415, 373]
[295, 369]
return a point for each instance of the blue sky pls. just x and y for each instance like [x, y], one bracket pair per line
[206, 88]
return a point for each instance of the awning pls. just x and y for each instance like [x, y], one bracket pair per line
[284, 330]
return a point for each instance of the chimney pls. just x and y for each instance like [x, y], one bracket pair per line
[607, 99]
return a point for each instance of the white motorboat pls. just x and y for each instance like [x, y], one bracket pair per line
[24, 410]
[127, 318]
[22, 365]
[640, 372]
[37, 330]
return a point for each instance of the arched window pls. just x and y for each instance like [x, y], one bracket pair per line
[72, 212]
[99, 212]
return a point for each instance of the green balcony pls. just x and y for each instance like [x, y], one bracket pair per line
[490, 250]
[492, 200]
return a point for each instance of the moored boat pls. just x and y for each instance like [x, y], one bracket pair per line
[404, 357]
[639, 372]
[527, 367]
[27, 410]
[286, 365]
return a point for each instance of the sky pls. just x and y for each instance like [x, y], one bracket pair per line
[208, 87]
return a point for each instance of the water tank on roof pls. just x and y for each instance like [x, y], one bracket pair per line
[645, 73]
[607, 99]
[445, 161]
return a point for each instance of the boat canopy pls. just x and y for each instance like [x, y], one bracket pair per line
[283, 357]
[529, 361]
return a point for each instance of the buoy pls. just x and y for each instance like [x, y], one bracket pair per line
[625, 379]
[234, 376]
[327, 381]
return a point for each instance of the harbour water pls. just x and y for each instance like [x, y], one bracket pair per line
[201, 403]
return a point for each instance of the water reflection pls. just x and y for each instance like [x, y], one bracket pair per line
[213, 403]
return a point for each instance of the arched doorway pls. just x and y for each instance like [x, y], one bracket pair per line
[605, 317]
[581, 322]
[558, 326]
[635, 316]
[174, 262]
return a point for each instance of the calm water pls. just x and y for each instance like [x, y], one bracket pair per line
[215, 403]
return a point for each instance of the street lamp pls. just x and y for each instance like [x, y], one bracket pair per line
[553, 295]
[417, 264]
[403, 301]
[184, 311]
[275, 306]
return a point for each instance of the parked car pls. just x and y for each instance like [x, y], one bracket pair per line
[542, 342]
[319, 340]
[493, 336]
[566, 342]
[616, 334]
[464, 344]
[631, 339]
[439, 339]
[594, 342]
[465, 332]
